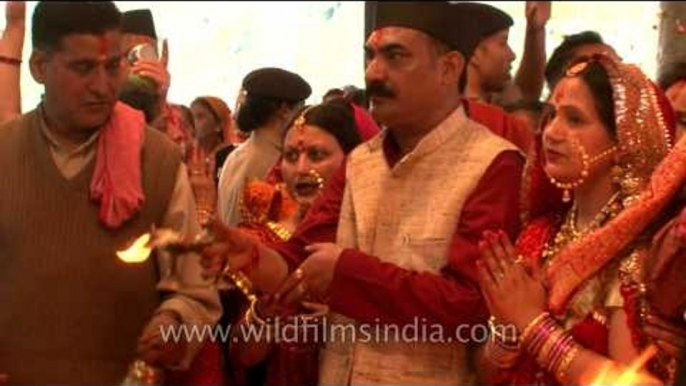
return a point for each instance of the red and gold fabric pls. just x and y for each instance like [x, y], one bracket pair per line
[585, 276]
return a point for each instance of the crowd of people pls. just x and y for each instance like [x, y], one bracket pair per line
[446, 192]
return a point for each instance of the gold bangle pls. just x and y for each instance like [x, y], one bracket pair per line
[251, 317]
[524, 336]
[255, 316]
[544, 353]
[253, 313]
[570, 355]
[248, 316]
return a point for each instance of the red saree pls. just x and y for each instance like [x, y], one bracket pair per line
[292, 361]
[608, 267]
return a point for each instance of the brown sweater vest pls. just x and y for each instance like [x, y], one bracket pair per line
[70, 310]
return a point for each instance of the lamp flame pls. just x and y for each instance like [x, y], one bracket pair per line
[138, 252]
[610, 375]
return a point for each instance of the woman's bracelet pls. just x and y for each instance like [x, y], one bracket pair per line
[553, 348]
[524, 336]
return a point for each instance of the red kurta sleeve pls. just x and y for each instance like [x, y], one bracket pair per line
[319, 225]
[368, 290]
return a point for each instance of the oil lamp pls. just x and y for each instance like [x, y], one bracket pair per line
[169, 242]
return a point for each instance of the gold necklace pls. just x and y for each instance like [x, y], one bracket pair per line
[569, 233]
[278, 229]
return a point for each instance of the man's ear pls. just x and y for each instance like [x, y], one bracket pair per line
[454, 65]
[37, 65]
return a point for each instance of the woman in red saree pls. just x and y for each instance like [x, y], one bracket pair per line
[315, 146]
[573, 285]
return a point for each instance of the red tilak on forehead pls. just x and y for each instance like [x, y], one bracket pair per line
[300, 133]
[377, 37]
[103, 45]
[560, 93]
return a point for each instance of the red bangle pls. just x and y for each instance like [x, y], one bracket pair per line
[8, 60]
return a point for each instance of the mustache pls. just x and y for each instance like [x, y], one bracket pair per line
[379, 89]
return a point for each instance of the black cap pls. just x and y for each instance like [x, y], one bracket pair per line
[138, 22]
[461, 25]
[487, 19]
[277, 84]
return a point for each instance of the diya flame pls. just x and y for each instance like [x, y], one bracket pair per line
[611, 375]
[138, 252]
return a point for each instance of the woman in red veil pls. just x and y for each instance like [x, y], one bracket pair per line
[573, 286]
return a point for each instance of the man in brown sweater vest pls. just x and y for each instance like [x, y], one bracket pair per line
[70, 311]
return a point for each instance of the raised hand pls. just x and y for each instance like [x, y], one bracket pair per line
[11, 47]
[537, 14]
[201, 176]
[15, 13]
[156, 70]
[12, 41]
